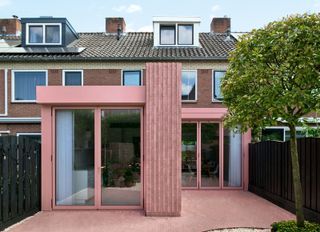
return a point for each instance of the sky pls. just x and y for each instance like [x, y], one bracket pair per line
[89, 16]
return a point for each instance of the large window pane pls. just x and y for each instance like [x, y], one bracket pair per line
[218, 75]
[188, 88]
[232, 159]
[74, 157]
[185, 34]
[131, 78]
[35, 34]
[120, 157]
[273, 134]
[72, 78]
[167, 35]
[209, 155]
[189, 155]
[53, 34]
[25, 84]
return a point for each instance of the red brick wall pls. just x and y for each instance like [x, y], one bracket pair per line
[220, 25]
[12, 25]
[102, 76]
[18, 128]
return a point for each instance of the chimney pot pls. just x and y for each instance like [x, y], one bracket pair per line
[220, 25]
[113, 25]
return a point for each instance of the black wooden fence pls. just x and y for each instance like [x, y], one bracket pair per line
[270, 174]
[19, 179]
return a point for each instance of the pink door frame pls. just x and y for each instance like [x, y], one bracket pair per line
[97, 159]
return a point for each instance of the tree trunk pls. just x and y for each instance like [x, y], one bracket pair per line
[296, 176]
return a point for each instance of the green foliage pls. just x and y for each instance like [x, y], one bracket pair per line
[274, 74]
[291, 226]
[311, 131]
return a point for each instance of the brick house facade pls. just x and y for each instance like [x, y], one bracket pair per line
[121, 146]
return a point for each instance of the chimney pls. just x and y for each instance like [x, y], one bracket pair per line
[221, 25]
[10, 26]
[115, 25]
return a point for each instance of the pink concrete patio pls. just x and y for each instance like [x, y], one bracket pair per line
[201, 211]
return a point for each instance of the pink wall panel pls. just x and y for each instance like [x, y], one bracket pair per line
[162, 160]
[46, 162]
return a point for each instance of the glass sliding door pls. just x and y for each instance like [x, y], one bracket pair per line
[74, 158]
[232, 163]
[210, 155]
[120, 157]
[189, 155]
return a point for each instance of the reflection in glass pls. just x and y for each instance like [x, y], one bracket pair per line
[74, 157]
[167, 35]
[131, 78]
[189, 155]
[25, 84]
[185, 34]
[35, 34]
[53, 34]
[188, 87]
[120, 157]
[232, 159]
[72, 78]
[209, 155]
[218, 75]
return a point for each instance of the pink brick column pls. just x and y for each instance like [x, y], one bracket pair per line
[46, 162]
[162, 159]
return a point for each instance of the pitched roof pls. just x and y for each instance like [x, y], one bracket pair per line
[134, 46]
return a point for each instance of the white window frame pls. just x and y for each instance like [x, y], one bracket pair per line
[71, 70]
[13, 97]
[43, 33]
[213, 84]
[285, 128]
[2, 133]
[27, 133]
[132, 70]
[196, 82]
[176, 39]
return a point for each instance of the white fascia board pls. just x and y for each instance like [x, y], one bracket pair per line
[176, 19]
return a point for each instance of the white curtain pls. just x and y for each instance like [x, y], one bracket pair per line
[235, 161]
[64, 156]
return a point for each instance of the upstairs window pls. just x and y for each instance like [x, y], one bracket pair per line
[177, 34]
[216, 82]
[72, 77]
[24, 85]
[189, 86]
[44, 34]
[167, 35]
[185, 34]
[131, 78]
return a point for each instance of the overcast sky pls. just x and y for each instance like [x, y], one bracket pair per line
[88, 16]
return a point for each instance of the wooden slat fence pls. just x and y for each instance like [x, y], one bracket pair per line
[19, 179]
[270, 174]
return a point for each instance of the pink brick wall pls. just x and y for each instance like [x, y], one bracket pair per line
[162, 164]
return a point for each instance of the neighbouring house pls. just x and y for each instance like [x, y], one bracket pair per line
[127, 119]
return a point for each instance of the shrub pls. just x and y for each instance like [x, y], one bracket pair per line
[291, 226]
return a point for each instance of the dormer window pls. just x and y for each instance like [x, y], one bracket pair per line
[176, 31]
[185, 34]
[43, 34]
[167, 35]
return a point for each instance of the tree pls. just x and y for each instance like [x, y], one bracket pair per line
[273, 77]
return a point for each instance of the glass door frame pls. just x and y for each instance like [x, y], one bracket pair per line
[97, 158]
[221, 157]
